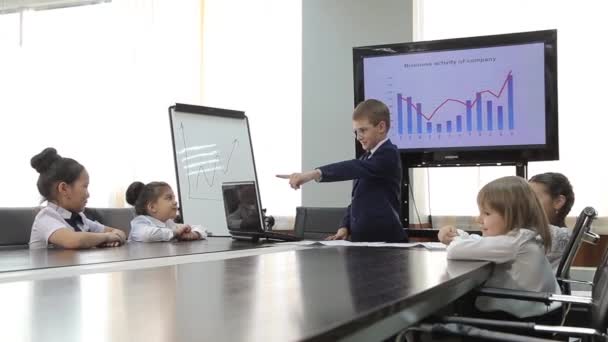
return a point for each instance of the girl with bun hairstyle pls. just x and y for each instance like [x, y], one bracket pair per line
[156, 208]
[63, 184]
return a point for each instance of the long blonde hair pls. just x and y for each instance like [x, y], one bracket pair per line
[513, 198]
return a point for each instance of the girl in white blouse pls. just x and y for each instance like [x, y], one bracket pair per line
[557, 197]
[156, 208]
[63, 183]
[515, 235]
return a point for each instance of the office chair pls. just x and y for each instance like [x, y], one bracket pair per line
[581, 232]
[317, 223]
[595, 331]
[16, 226]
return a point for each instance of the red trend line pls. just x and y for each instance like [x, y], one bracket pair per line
[460, 101]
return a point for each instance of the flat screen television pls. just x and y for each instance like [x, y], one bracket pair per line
[489, 99]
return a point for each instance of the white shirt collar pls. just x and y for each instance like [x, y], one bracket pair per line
[66, 214]
[157, 222]
[371, 152]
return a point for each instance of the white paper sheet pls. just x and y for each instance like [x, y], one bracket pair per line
[427, 245]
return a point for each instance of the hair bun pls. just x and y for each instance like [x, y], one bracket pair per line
[43, 160]
[133, 192]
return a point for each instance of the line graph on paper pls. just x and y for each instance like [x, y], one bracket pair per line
[211, 147]
[205, 165]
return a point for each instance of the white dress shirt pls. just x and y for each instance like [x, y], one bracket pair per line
[371, 152]
[53, 217]
[520, 264]
[146, 228]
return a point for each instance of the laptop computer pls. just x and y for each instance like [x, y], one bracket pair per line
[243, 209]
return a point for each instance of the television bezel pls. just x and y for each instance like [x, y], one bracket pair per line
[473, 155]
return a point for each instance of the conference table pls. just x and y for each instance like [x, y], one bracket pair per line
[20, 258]
[262, 292]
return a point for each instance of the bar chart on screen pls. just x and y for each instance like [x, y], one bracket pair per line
[489, 115]
[481, 97]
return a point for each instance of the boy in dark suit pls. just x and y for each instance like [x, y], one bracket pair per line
[373, 214]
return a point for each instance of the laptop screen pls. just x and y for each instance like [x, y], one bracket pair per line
[242, 207]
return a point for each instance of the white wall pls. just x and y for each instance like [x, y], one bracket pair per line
[255, 67]
[581, 75]
[330, 29]
[95, 82]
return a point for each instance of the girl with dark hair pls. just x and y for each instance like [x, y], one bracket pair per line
[557, 197]
[156, 208]
[63, 184]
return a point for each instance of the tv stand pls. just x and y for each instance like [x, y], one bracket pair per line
[521, 170]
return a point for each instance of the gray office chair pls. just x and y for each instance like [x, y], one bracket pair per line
[316, 223]
[16, 225]
[119, 218]
[594, 331]
[581, 232]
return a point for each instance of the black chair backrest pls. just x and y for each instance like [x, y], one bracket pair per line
[16, 225]
[316, 223]
[583, 225]
[119, 218]
[599, 295]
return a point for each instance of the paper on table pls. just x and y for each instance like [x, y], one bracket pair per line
[343, 243]
[427, 245]
[301, 243]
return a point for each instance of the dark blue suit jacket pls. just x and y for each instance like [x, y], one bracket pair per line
[373, 214]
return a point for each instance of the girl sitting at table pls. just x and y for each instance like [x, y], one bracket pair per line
[515, 237]
[156, 208]
[63, 183]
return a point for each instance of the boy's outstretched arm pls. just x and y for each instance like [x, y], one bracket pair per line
[298, 179]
